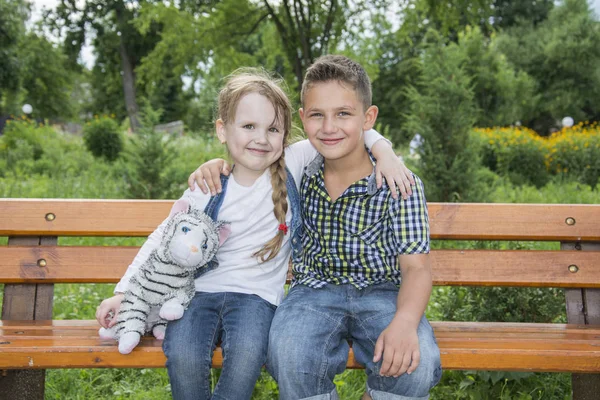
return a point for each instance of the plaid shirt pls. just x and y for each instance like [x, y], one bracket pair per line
[357, 238]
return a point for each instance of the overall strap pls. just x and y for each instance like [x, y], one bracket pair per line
[215, 202]
[212, 210]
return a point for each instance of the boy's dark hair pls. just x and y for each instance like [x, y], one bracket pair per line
[342, 69]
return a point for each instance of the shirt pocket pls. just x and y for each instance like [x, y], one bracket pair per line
[370, 232]
[366, 221]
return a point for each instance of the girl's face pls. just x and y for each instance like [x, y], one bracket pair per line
[254, 138]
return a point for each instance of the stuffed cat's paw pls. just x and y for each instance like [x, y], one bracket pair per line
[128, 341]
[159, 331]
[109, 333]
[171, 310]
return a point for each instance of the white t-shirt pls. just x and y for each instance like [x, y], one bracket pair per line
[249, 210]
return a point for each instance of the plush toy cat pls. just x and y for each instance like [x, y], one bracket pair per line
[163, 287]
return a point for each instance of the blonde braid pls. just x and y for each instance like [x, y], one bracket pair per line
[280, 208]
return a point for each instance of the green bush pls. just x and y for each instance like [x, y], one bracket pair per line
[103, 139]
[518, 153]
[575, 153]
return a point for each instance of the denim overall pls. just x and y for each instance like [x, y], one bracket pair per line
[215, 202]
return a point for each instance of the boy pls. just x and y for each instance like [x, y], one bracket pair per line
[360, 244]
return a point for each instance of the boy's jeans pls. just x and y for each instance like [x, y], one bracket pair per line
[242, 322]
[308, 347]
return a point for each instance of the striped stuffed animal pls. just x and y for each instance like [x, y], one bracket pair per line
[163, 287]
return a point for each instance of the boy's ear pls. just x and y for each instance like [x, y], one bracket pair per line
[220, 128]
[370, 118]
[301, 112]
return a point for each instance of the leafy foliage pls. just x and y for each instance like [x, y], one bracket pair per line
[442, 111]
[103, 138]
[527, 158]
[562, 55]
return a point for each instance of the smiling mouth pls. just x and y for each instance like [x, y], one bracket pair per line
[259, 152]
[331, 142]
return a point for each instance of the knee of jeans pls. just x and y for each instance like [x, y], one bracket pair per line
[182, 361]
[417, 384]
[247, 353]
[287, 355]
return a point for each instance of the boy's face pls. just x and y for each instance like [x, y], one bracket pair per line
[334, 119]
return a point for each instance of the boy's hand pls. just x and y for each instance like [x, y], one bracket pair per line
[210, 172]
[399, 346]
[107, 310]
[396, 174]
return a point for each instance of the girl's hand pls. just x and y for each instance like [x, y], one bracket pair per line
[396, 174]
[209, 174]
[391, 167]
[107, 310]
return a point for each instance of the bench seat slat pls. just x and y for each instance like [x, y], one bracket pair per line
[463, 345]
[73, 264]
[76, 217]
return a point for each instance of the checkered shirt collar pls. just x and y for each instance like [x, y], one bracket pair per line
[316, 165]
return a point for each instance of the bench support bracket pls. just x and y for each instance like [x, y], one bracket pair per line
[583, 307]
[26, 302]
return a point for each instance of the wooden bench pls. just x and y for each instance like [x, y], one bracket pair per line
[32, 262]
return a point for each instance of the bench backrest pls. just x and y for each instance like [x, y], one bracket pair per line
[33, 225]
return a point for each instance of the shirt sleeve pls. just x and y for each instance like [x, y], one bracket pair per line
[372, 137]
[297, 156]
[410, 222]
[197, 198]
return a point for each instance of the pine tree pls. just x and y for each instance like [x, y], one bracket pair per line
[443, 111]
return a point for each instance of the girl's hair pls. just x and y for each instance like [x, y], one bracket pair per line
[252, 80]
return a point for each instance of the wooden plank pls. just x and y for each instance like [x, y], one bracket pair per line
[91, 325]
[71, 264]
[26, 301]
[74, 217]
[583, 306]
[514, 221]
[463, 345]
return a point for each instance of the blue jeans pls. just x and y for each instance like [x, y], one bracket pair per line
[241, 322]
[308, 343]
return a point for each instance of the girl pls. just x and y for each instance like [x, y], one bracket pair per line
[235, 302]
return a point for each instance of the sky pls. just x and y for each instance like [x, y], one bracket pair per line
[87, 55]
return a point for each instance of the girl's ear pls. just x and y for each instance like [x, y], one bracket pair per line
[220, 128]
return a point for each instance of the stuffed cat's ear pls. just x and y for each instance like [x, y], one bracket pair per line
[224, 232]
[180, 205]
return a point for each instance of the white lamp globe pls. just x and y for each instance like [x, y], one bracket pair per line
[567, 122]
[27, 109]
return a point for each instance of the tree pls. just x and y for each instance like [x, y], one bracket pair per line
[47, 81]
[13, 14]
[443, 111]
[503, 95]
[509, 13]
[115, 37]
[562, 55]
[230, 31]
